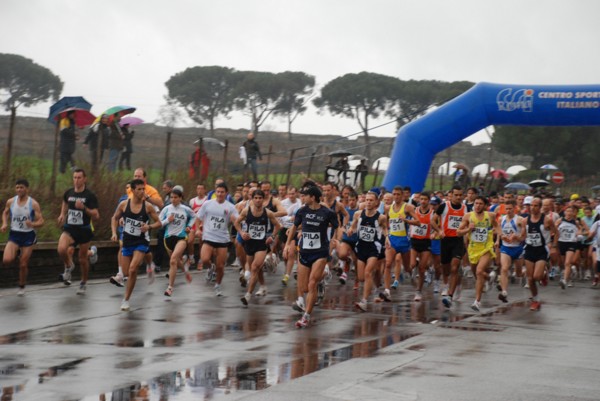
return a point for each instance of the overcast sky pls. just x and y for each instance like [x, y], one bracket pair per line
[122, 52]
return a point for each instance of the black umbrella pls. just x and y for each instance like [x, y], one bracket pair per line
[339, 153]
[596, 188]
[539, 183]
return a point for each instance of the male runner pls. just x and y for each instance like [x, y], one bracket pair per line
[510, 242]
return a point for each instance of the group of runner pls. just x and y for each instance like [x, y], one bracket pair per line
[384, 237]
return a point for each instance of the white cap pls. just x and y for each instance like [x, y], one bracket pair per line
[528, 200]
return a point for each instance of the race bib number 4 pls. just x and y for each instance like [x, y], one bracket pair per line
[75, 217]
[311, 240]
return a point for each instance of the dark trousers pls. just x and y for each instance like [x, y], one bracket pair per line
[125, 159]
[65, 158]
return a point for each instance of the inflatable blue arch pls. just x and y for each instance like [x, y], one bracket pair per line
[486, 104]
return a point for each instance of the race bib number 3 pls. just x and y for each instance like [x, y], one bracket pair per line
[75, 217]
[311, 240]
[133, 227]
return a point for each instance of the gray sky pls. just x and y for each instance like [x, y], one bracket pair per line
[122, 52]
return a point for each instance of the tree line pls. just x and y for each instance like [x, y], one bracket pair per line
[210, 92]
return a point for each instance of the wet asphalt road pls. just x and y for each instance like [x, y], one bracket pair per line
[56, 345]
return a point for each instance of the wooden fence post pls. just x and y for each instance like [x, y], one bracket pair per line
[167, 151]
[289, 169]
[225, 157]
[269, 160]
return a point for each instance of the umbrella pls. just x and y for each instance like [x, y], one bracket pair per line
[539, 183]
[519, 186]
[210, 141]
[339, 153]
[131, 121]
[596, 188]
[499, 173]
[549, 167]
[82, 117]
[121, 110]
[460, 166]
[65, 103]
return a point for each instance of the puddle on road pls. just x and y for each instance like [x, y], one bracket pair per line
[216, 378]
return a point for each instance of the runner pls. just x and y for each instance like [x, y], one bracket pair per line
[479, 225]
[371, 227]
[421, 234]
[594, 234]
[136, 214]
[177, 219]
[314, 220]
[25, 215]
[399, 241]
[345, 249]
[79, 207]
[195, 204]
[450, 215]
[539, 228]
[292, 204]
[511, 246]
[435, 201]
[569, 228]
[256, 241]
[239, 241]
[216, 216]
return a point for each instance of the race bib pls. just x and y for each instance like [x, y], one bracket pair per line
[397, 226]
[366, 234]
[507, 230]
[75, 217]
[257, 231]
[133, 227]
[454, 222]
[311, 240]
[534, 239]
[421, 230]
[479, 234]
[567, 234]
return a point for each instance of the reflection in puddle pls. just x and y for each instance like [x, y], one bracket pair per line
[59, 369]
[220, 377]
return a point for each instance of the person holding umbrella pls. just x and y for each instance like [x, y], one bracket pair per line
[97, 139]
[115, 142]
[127, 147]
[68, 136]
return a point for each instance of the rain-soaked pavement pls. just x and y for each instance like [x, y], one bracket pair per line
[56, 345]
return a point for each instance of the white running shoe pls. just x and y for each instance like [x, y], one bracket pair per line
[117, 280]
[82, 288]
[94, 254]
[262, 291]
[218, 291]
[21, 292]
[125, 305]
[476, 306]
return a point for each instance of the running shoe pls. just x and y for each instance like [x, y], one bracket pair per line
[125, 305]
[82, 288]
[327, 276]
[186, 262]
[117, 280]
[298, 306]
[169, 292]
[211, 274]
[418, 296]
[503, 296]
[445, 291]
[343, 278]
[285, 280]
[588, 275]
[447, 301]
[362, 306]
[245, 299]
[66, 276]
[476, 306]
[302, 323]
[544, 280]
[385, 295]
[595, 282]
[356, 285]
[563, 284]
[218, 291]
[21, 292]
[458, 292]
[395, 284]
[188, 276]
[262, 291]
[436, 286]
[94, 254]
[535, 306]
[149, 274]
[243, 281]
[570, 283]
[192, 260]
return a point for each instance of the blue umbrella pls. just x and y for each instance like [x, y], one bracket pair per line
[519, 186]
[548, 167]
[66, 102]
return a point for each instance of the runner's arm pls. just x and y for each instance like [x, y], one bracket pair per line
[6, 214]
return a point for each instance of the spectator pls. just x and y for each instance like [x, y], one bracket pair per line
[97, 139]
[127, 147]
[252, 153]
[68, 136]
[115, 143]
